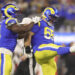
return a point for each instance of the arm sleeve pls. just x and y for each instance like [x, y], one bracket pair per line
[63, 50]
[35, 28]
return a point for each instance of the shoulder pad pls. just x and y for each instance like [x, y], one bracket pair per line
[10, 21]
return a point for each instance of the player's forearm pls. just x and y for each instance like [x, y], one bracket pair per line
[22, 28]
[28, 23]
[21, 35]
[27, 39]
[66, 50]
[28, 26]
[27, 44]
[63, 50]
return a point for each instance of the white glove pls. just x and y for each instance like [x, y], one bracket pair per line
[36, 19]
[26, 21]
[72, 49]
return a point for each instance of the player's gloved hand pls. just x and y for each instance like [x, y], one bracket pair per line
[36, 19]
[26, 21]
[72, 48]
[28, 49]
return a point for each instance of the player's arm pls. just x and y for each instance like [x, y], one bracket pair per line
[59, 50]
[25, 35]
[27, 43]
[20, 28]
[33, 31]
[25, 25]
[22, 35]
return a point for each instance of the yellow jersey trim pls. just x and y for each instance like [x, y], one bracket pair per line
[39, 24]
[49, 45]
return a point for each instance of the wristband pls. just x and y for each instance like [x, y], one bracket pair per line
[28, 49]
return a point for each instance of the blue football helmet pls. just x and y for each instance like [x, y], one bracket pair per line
[49, 11]
[9, 10]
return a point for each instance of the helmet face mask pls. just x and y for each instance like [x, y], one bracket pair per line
[13, 13]
[53, 18]
[9, 10]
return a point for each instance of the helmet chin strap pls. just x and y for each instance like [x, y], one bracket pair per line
[49, 24]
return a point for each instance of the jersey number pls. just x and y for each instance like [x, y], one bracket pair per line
[48, 33]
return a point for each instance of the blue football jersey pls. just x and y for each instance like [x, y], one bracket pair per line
[8, 38]
[43, 33]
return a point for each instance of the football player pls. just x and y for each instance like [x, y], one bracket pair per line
[9, 33]
[42, 41]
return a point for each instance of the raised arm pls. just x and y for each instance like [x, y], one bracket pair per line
[14, 26]
[25, 25]
[20, 28]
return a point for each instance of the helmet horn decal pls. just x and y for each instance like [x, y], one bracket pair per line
[47, 12]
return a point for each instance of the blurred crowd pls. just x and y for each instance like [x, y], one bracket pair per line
[65, 23]
[35, 7]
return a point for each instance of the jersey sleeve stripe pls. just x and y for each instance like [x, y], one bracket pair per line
[8, 20]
